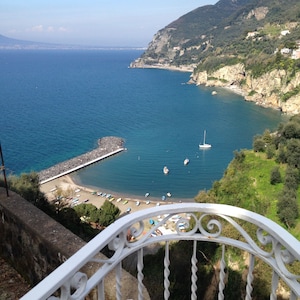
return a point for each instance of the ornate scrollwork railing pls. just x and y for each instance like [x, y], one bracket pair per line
[258, 236]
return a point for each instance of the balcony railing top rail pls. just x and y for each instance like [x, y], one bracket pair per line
[260, 237]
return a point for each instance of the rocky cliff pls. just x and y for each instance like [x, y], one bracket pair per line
[265, 90]
[227, 43]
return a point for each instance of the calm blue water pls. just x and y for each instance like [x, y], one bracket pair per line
[55, 105]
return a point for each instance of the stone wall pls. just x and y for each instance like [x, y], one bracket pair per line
[35, 244]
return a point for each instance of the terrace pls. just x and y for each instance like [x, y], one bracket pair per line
[261, 240]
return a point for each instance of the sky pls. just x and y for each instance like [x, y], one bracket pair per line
[127, 23]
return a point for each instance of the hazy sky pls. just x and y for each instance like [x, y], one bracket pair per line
[91, 22]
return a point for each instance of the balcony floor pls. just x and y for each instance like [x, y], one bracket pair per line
[12, 285]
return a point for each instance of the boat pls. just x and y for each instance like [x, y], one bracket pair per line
[204, 145]
[147, 195]
[169, 194]
[166, 170]
[186, 161]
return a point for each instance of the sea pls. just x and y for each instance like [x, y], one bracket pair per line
[56, 104]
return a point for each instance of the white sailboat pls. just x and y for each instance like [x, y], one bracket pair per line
[204, 145]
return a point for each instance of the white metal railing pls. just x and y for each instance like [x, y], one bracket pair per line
[268, 242]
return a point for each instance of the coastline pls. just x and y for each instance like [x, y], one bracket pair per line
[83, 193]
[188, 69]
[138, 65]
[57, 180]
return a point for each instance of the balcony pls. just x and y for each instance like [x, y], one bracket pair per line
[260, 239]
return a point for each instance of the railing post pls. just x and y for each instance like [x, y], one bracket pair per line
[275, 280]
[222, 275]
[100, 290]
[2, 168]
[166, 272]
[249, 287]
[118, 280]
[194, 272]
[140, 274]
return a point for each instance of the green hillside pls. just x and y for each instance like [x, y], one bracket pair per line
[221, 30]
[266, 179]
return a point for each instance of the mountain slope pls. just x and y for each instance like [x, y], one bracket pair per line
[9, 43]
[250, 39]
[210, 29]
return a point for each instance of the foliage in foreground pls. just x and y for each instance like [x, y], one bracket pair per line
[28, 187]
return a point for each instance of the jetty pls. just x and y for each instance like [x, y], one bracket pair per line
[107, 146]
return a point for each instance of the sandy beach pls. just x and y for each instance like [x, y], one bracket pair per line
[65, 183]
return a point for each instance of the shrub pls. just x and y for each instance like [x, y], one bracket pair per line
[275, 176]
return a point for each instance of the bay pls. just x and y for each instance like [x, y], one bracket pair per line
[55, 105]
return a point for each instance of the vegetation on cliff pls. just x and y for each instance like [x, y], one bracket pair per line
[245, 30]
[77, 219]
[266, 179]
[260, 35]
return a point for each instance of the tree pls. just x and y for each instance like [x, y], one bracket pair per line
[259, 145]
[293, 153]
[291, 178]
[90, 211]
[267, 137]
[28, 187]
[109, 213]
[288, 210]
[281, 157]
[270, 152]
[291, 130]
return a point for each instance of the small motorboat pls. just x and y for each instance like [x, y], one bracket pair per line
[166, 170]
[186, 161]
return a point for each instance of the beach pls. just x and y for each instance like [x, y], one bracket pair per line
[88, 195]
[57, 181]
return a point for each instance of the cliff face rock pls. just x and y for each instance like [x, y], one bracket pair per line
[225, 76]
[266, 90]
[159, 42]
[259, 13]
[214, 37]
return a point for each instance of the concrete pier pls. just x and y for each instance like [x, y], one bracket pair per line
[107, 146]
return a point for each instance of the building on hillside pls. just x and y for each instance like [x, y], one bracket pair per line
[284, 32]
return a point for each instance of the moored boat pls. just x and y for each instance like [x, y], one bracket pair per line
[204, 145]
[186, 161]
[166, 170]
